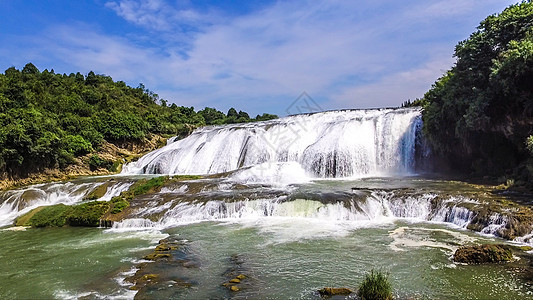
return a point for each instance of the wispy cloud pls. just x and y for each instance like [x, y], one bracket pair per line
[155, 14]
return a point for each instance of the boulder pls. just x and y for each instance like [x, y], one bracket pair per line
[481, 254]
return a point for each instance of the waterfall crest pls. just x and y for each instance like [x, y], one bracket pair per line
[326, 145]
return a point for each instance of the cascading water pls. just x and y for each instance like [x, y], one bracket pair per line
[15, 203]
[379, 206]
[328, 144]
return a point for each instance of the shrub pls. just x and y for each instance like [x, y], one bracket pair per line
[375, 286]
[77, 145]
[96, 162]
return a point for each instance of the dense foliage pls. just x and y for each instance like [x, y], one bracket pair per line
[479, 114]
[47, 119]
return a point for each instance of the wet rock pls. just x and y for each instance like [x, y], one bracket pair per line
[480, 254]
[235, 279]
[166, 271]
[166, 247]
[329, 291]
[99, 191]
[149, 277]
[234, 288]
[182, 283]
[157, 256]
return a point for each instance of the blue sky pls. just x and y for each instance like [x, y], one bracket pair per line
[256, 56]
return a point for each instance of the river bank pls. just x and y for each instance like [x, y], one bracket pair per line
[116, 154]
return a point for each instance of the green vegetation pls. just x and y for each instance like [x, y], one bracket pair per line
[85, 214]
[375, 286]
[48, 119]
[53, 216]
[143, 186]
[119, 204]
[90, 213]
[478, 115]
[95, 162]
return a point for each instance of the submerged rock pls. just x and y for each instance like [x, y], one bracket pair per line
[166, 271]
[234, 288]
[481, 254]
[235, 279]
[329, 291]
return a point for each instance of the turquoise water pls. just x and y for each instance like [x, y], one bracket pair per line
[280, 261]
[67, 262]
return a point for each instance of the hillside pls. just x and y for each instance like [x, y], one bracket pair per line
[54, 121]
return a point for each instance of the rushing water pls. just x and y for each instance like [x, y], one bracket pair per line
[292, 206]
[328, 144]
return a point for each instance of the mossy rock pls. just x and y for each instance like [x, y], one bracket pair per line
[87, 214]
[98, 192]
[157, 256]
[49, 216]
[186, 177]
[59, 215]
[149, 277]
[146, 186]
[118, 204]
[481, 254]
[234, 288]
[166, 247]
[24, 220]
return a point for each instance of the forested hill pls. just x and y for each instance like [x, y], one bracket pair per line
[479, 115]
[48, 119]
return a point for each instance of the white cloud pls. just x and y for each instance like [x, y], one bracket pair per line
[343, 53]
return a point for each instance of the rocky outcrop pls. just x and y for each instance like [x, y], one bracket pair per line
[481, 254]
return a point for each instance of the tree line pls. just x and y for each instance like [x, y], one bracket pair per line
[47, 119]
[479, 115]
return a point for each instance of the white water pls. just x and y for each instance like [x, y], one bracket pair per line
[330, 218]
[16, 203]
[327, 144]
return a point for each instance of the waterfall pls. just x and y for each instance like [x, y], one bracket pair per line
[324, 145]
[379, 206]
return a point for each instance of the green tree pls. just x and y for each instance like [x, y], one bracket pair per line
[476, 115]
